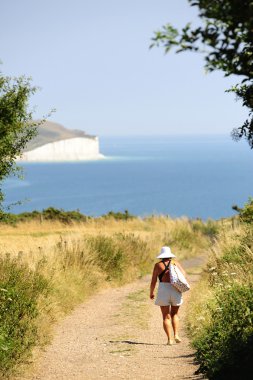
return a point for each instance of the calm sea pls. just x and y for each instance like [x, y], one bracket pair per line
[193, 176]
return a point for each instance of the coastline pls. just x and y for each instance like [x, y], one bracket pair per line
[60, 160]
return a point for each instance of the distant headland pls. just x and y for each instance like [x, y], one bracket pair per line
[54, 142]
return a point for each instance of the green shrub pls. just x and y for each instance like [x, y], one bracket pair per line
[245, 213]
[20, 289]
[236, 255]
[224, 350]
[7, 218]
[27, 216]
[224, 335]
[66, 217]
[54, 214]
[119, 215]
[51, 213]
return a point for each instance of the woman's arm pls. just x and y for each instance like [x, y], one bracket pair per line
[153, 282]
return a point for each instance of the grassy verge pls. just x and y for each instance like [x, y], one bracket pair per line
[50, 266]
[221, 310]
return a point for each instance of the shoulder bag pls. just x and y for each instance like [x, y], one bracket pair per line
[177, 279]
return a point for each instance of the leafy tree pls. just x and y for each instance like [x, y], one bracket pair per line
[226, 32]
[16, 125]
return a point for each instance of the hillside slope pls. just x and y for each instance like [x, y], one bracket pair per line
[51, 132]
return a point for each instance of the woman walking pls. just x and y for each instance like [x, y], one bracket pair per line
[168, 297]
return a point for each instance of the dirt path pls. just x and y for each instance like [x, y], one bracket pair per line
[118, 334]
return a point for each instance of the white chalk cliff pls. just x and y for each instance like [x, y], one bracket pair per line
[70, 149]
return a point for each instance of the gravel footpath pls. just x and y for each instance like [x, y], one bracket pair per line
[118, 334]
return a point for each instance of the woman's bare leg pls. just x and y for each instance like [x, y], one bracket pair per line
[175, 322]
[167, 322]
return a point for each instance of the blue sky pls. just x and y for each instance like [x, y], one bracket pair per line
[92, 61]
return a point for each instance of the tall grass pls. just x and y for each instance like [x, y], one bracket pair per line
[221, 312]
[48, 267]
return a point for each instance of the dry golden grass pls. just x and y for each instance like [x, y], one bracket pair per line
[34, 239]
[56, 248]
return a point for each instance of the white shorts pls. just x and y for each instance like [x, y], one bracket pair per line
[168, 295]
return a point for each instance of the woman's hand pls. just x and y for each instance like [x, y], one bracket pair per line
[152, 296]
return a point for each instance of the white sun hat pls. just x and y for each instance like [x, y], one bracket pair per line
[165, 253]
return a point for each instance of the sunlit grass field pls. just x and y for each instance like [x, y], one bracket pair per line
[31, 240]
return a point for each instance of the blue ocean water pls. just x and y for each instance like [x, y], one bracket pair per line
[174, 175]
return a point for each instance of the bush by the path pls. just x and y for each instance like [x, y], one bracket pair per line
[20, 290]
[225, 348]
[246, 213]
[221, 317]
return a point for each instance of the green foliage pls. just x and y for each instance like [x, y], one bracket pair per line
[246, 213]
[225, 348]
[20, 289]
[119, 215]
[16, 125]
[54, 214]
[227, 33]
[224, 340]
[50, 213]
[8, 218]
[63, 216]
